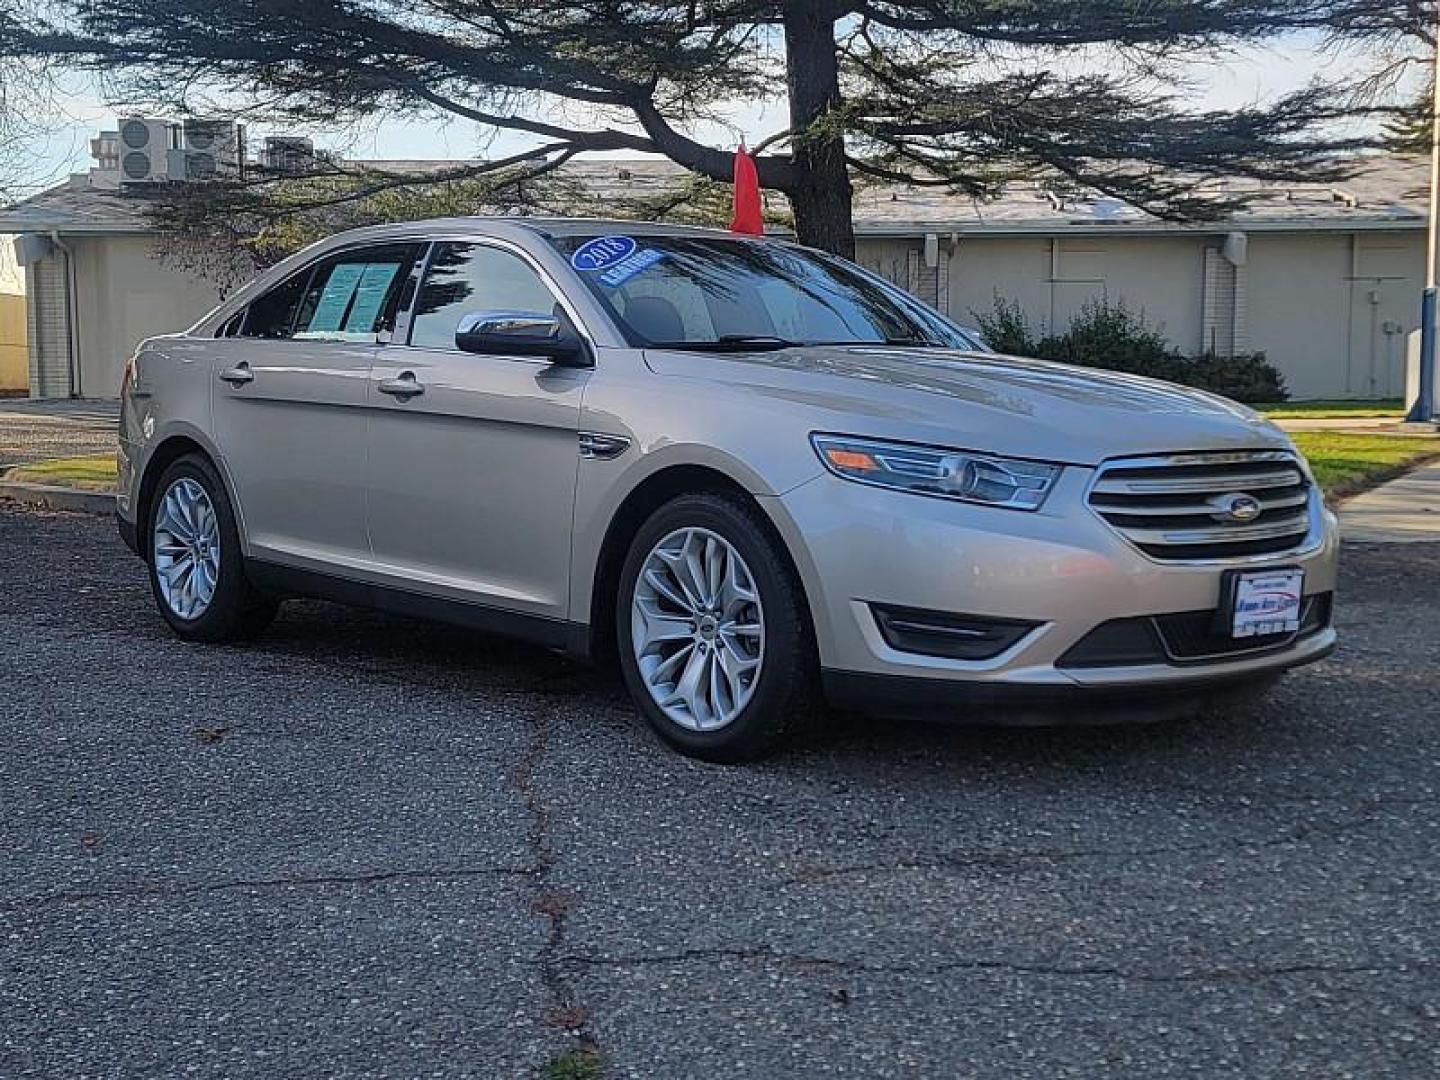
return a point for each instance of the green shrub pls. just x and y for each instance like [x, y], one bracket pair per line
[1249, 378]
[1006, 329]
[1109, 335]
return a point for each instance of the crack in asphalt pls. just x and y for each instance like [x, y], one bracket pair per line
[564, 1009]
[166, 889]
[1095, 971]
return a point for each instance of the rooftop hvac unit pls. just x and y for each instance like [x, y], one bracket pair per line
[213, 148]
[145, 147]
[289, 155]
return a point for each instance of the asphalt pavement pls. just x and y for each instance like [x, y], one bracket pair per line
[365, 846]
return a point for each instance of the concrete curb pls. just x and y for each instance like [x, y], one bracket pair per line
[59, 498]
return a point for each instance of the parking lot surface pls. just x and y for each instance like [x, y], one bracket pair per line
[364, 846]
[33, 431]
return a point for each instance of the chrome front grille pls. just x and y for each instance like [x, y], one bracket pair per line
[1202, 507]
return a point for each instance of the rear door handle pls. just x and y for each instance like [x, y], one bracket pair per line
[402, 386]
[238, 375]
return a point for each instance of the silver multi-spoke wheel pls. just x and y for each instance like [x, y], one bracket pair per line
[698, 629]
[186, 546]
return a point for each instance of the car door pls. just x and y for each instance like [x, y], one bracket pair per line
[289, 404]
[473, 458]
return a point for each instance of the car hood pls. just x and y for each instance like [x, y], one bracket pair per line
[980, 401]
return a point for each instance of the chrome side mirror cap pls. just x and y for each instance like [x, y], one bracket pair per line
[522, 333]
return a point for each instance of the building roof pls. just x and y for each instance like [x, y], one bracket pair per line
[1384, 193]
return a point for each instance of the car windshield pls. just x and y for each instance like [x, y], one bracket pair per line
[738, 294]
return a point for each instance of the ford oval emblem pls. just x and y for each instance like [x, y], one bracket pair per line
[1239, 507]
[602, 252]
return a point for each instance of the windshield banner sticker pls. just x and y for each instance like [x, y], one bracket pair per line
[624, 271]
[603, 252]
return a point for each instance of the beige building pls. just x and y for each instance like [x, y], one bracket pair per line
[1326, 282]
[14, 351]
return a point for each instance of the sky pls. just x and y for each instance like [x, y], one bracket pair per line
[1250, 76]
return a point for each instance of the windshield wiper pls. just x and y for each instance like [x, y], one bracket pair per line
[912, 342]
[731, 343]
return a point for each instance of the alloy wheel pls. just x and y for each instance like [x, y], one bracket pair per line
[186, 547]
[697, 629]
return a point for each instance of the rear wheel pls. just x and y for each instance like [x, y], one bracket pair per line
[714, 641]
[197, 574]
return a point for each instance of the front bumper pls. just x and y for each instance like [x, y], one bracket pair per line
[1061, 568]
[1016, 705]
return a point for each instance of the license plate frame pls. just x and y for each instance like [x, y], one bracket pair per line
[1262, 603]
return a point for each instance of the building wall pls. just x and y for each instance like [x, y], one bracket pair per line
[1333, 311]
[1330, 310]
[14, 356]
[126, 295]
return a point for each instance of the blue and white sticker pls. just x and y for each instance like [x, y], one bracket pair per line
[603, 252]
[623, 271]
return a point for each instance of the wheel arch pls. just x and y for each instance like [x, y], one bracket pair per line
[166, 452]
[633, 511]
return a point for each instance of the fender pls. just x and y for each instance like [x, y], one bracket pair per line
[144, 457]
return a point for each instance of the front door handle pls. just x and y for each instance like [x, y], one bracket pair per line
[402, 386]
[238, 375]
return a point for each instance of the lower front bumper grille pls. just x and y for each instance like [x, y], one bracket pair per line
[1185, 639]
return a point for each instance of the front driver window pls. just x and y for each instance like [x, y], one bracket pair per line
[473, 277]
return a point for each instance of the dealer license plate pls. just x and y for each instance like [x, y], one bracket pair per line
[1267, 603]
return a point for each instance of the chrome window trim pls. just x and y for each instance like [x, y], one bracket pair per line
[1315, 506]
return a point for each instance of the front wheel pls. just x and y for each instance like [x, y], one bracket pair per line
[714, 640]
[197, 574]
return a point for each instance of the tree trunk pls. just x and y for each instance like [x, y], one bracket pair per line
[820, 193]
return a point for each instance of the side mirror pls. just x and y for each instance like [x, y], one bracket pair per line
[522, 333]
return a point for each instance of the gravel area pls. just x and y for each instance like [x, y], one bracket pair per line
[39, 430]
[365, 846]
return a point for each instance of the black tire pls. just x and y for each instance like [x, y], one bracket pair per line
[785, 697]
[237, 610]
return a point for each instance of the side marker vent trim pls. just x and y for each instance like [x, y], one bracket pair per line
[598, 446]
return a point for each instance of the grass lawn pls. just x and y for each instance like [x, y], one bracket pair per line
[1329, 410]
[89, 473]
[1346, 464]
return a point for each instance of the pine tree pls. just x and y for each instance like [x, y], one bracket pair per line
[959, 94]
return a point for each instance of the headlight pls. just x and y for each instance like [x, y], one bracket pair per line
[949, 474]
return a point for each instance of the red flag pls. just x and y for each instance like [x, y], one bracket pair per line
[748, 219]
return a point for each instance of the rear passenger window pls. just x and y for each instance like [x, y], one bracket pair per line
[353, 297]
[273, 315]
[348, 297]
